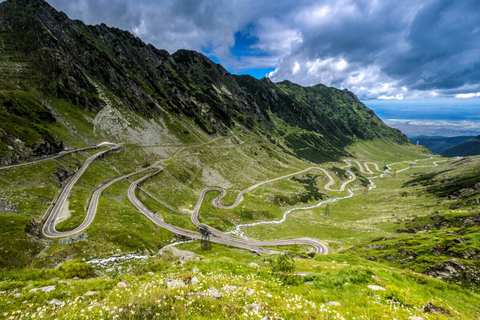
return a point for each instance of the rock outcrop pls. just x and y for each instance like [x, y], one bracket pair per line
[172, 254]
[454, 269]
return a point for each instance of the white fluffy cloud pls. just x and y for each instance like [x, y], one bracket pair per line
[467, 95]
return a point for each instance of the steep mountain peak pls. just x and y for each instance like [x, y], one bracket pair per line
[267, 80]
[196, 64]
[92, 66]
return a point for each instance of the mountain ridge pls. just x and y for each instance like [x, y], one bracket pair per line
[69, 60]
[439, 144]
[468, 148]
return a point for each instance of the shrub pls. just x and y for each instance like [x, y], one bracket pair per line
[290, 279]
[284, 267]
[284, 263]
[396, 294]
[350, 275]
[77, 268]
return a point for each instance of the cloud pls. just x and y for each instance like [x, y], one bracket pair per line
[467, 95]
[408, 49]
[422, 47]
[397, 97]
[384, 97]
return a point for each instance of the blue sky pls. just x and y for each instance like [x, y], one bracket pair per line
[414, 52]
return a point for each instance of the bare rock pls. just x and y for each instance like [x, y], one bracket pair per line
[122, 284]
[56, 302]
[431, 308]
[214, 293]
[90, 293]
[8, 207]
[255, 307]
[44, 289]
[194, 280]
[254, 265]
[454, 270]
[62, 175]
[173, 254]
[75, 238]
[250, 292]
[228, 288]
[175, 284]
[375, 287]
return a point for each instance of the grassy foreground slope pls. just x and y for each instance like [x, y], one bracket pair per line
[225, 284]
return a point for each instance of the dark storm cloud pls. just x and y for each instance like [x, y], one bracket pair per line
[444, 47]
[176, 24]
[378, 48]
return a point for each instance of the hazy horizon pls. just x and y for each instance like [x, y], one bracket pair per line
[433, 117]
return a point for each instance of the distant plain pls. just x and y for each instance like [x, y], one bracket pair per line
[440, 117]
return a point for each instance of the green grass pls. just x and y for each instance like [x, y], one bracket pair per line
[357, 219]
[336, 277]
[339, 278]
[16, 248]
[380, 150]
[447, 232]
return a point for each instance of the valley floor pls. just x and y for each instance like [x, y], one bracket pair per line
[345, 205]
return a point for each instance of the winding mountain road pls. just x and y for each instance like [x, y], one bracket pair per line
[320, 247]
[218, 236]
[50, 231]
[223, 193]
[49, 225]
[61, 154]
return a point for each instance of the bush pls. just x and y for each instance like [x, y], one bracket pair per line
[284, 263]
[396, 294]
[77, 268]
[284, 267]
[290, 279]
[346, 276]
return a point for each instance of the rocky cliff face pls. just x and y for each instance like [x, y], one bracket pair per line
[22, 152]
[69, 60]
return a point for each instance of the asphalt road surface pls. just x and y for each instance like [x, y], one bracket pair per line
[61, 154]
[49, 225]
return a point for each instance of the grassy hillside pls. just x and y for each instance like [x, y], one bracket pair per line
[468, 148]
[445, 243]
[336, 287]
